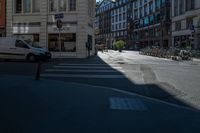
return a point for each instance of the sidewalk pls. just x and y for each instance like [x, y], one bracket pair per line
[29, 106]
[195, 59]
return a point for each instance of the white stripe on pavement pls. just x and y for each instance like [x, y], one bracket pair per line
[83, 76]
[79, 70]
[94, 67]
[66, 64]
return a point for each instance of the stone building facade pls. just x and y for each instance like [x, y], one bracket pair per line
[111, 16]
[186, 23]
[152, 23]
[2, 18]
[103, 22]
[36, 21]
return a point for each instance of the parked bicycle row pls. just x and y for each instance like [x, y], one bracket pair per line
[177, 53]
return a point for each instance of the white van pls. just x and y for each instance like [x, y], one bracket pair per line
[13, 48]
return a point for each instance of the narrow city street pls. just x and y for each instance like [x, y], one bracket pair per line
[99, 66]
[111, 92]
[162, 79]
[180, 79]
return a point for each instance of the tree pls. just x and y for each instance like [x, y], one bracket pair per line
[119, 45]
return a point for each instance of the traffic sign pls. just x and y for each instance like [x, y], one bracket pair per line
[59, 16]
[59, 23]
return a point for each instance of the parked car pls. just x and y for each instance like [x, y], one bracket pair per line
[13, 48]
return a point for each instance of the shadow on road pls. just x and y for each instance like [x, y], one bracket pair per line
[122, 83]
[53, 106]
[148, 89]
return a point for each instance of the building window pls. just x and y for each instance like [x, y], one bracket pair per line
[72, 5]
[181, 9]
[120, 17]
[120, 25]
[177, 25]
[53, 5]
[151, 19]
[18, 8]
[140, 2]
[175, 7]
[112, 19]
[136, 4]
[0, 9]
[27, 6]
[120, 10]
[112, 27]
[124, 25]
[145, 10]
[189, 22]
[36, 5]
[190, 4]
[124, 16]
[158, 4]
[124, 9]
[157, 18]
[141, 14]
[151, 7]
[136, 14]
[62, 5]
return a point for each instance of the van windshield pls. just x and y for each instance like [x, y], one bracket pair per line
[31, 44]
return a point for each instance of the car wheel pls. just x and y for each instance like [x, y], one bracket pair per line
[31, 58]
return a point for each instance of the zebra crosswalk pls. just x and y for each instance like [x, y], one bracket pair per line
[98, 71]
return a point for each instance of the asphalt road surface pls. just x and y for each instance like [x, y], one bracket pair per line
[163, 79]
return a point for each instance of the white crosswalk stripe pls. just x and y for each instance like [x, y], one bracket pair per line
[64, 70]
[91, 67]
[81, 76]
[74, 70]
[65, 64]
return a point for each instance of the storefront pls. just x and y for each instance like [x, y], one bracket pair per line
[184, 41]
[66, 42]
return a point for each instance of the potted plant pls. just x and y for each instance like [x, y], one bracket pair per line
[120, 45]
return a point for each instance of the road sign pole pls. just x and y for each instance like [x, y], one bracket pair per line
[60, 47]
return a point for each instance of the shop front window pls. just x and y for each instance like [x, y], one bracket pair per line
[65, 43]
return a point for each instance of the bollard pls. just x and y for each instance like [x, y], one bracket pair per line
[37, 77]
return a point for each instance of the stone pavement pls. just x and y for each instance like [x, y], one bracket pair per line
[47, 106]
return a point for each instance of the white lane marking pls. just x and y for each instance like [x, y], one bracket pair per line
[133, 104]
[82, 67]
[80, 70]
[83, 76]
[66, 64]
